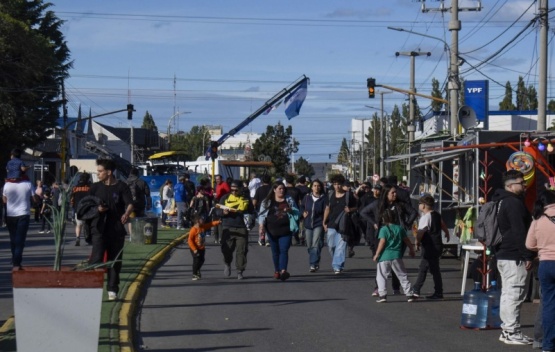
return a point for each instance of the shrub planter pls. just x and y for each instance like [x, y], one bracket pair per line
[57, 310]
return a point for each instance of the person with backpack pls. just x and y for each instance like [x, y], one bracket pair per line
[429, 239]
[513, 259]
[140, 192]
[80, 191]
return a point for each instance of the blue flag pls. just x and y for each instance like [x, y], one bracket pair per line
[295, 100]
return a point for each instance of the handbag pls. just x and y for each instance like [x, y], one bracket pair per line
[344, 222]
[293, 225]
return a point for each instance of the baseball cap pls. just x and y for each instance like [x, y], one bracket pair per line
[378, 187]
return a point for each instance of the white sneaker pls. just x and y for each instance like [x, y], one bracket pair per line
[516, 338]
[42, 231]
[112, 296]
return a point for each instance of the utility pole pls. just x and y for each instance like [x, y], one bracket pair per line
[412, 109]
[132, 146]
[542, 87]
[454, 82]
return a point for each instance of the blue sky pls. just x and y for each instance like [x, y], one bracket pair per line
[229, 57]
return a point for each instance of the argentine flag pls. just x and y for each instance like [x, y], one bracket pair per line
[295, 100]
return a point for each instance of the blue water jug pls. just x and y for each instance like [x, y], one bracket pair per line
[475, 308]
[494, 300]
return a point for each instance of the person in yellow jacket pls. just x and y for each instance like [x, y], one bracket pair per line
[232, 208]
[196, 242]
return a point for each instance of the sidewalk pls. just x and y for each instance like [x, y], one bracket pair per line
[116, 323]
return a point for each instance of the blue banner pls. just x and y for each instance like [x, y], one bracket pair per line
[476, 95]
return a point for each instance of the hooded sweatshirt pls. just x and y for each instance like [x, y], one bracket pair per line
[514, 220]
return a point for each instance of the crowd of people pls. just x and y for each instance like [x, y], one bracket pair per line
[289, 212]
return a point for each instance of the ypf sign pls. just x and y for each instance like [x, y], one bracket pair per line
[476, 95]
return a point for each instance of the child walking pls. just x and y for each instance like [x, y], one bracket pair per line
[389, 256]
[196, 242]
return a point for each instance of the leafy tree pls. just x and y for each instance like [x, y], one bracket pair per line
[148, 122]
[533, 97]
[277, 143]
[507, 102]
[522, 99]
[34, 59]
[551, 105]
[343, 155]
[397, 137]
[303, 167]
[194, 142]
[436, 93]
[373, 138]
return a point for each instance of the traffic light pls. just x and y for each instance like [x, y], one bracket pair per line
[371, 84]
[130, 111]
[214, 150]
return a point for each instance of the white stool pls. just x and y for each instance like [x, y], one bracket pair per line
[467, 248]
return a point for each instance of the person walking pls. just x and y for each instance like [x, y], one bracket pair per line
[389, 255]
[513, 259]
[80, 191]
[196, 241]
[336, 205]
[313, 207]
[180, 194]
[405, 216]
[277, 212]
[222, 188]
[167, 203]
[259, 196]
[46, 212]
[429, 239]
[235, 236]
[140, 193]
[17, 198]
[109, 234]
[37, 200]
[540, 239]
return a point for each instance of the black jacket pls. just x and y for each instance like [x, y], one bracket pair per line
[87, 210]
[514, 220]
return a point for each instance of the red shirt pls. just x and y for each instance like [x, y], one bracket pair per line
[221, 190]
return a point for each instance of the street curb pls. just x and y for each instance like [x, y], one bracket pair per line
[129, 304]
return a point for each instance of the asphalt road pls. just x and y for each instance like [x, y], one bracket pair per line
[309, 312]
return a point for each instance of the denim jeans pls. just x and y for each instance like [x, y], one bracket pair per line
[314, 242]
[337, 248]
[17, 227]
[513, 279]
[546, 273]
[181, 208]
[280, 251]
